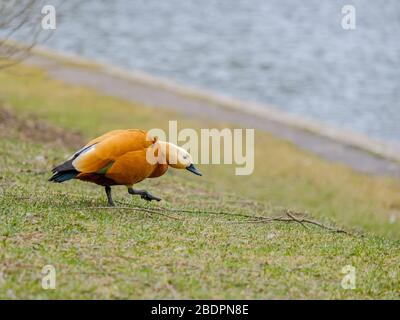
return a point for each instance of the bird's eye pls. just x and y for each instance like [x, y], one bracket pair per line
[185, 157]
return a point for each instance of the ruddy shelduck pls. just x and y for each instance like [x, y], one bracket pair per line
[123, 157]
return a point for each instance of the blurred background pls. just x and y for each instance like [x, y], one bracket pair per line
[290, 54]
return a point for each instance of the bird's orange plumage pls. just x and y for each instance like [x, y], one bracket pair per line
[118, 158]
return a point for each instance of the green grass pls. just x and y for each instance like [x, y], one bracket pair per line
[121, 253]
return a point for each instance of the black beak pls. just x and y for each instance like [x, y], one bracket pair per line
[193, 169]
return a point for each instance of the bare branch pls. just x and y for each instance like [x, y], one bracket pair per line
[20, 29]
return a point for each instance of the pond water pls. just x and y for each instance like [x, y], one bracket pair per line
[291, 54]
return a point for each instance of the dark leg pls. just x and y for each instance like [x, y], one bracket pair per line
[109, 198]
[143, 194]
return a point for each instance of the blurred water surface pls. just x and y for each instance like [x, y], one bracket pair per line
[288, 53]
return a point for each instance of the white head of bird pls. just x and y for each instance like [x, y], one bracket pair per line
[176, 157]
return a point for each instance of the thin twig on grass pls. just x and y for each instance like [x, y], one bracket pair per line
[288, 216]
[137, 209]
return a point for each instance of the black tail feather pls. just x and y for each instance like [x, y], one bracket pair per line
[64, 172]
[66, 166]
[64, 176]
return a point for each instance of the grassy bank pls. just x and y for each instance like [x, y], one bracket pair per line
[130, 254]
